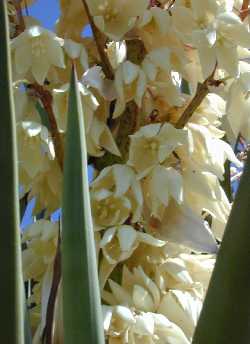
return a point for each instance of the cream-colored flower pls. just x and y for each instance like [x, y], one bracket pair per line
[98, 134]
[118, 243]
[35, 147]
[186, 272]
[60, 105]
[155, 16]
[210, 114]
[238, 105]
[116, 18]
[158, 66]
[219, 43]
[76, 50]
[95, 78]
[202, 192]
[37, 49]
[200, 268]
[120, 180]
[182, 308]
[150, 257]
[215, 31]
[117, 53]
[115, 196]
[152, 144]
[136, 290]
[108, 210]
[46, 186]
[159, 186]
[123, 325]
[72, 19]
[130, 84]
[99, 138]
[181, 225]
[41, 240]
[25, 106]
[156, 30]
[206, 151]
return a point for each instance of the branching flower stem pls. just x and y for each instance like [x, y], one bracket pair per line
[100, 43]
[21, 24]
[201, 92]
[244, 9]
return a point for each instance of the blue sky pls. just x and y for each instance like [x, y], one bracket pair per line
[48, 11]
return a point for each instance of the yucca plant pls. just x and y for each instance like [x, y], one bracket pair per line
[131, 258]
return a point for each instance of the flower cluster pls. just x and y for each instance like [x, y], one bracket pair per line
[164, 88]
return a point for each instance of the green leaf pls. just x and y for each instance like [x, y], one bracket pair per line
[11, 286]
[81, 297]
[226, 311]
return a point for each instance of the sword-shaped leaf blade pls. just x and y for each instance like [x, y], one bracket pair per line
[11, 285]
[81, 298]
[225, 317]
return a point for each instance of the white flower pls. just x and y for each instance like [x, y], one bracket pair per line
[98, 134]
[161, 184]
[152, 144]
[60, 105]
[116, 18]
[238, 105]
[41, 239]
[100, 138]
[35, 147]
[186, 272]
[182, 308]
[137, 290]
[162, 80]
[94, 77]
[219, 43]
[200, 268]
[126, 326]
[108, 210]
[120, 180]
[76, 50]
[118, 243]
[203, 192]
[37, 49]
[117, 53]
[210, 114]
[46, 186]
[159, 16]
[130, 84]
[179, 224]
[206, 151]
[215, 31]
[72, 19]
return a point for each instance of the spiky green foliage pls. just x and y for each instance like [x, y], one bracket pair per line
[81, 299]
[226, 311]
[11, 286]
